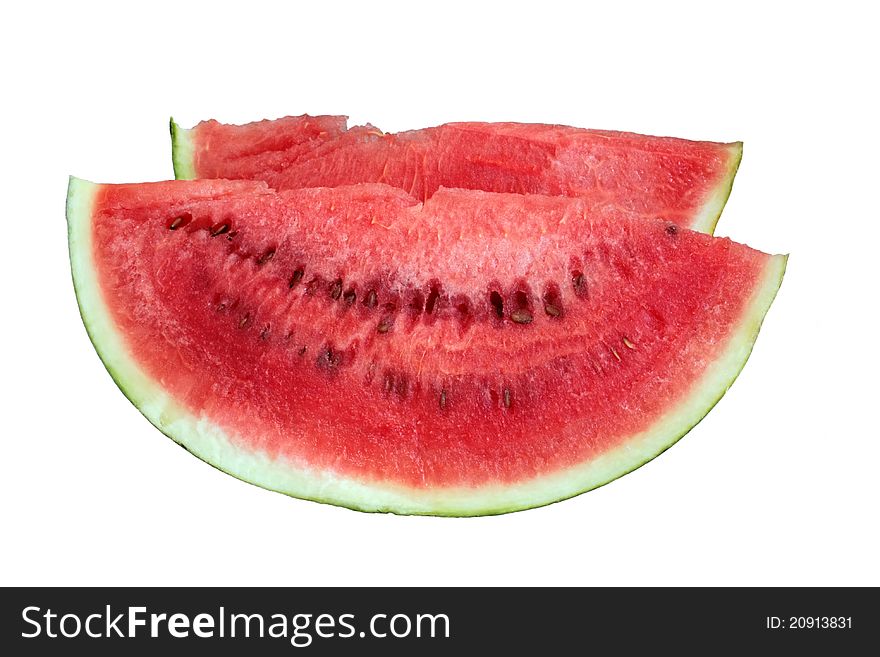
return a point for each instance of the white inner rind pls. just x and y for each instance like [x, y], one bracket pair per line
[212, 444]
[182, 152]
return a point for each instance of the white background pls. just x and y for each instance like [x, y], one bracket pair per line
[778, 485]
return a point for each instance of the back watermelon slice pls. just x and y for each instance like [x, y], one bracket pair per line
[477, 353]
[683, 181]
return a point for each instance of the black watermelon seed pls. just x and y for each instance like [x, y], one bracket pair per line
[336, 289]
[672, 229]
[219, 229]
[521, 316]
[266, 257]
[296, 278]
[552, 310]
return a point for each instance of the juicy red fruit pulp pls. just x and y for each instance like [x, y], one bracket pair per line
[651, 176]
[476, 338]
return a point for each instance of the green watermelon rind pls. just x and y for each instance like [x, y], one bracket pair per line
[211, 444]
[183, 151]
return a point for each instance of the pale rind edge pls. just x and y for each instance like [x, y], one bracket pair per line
[182, 150]
[212, 444]
[707, 218]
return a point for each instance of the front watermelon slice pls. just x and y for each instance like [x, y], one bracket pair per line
[476, 354]
[687, 182]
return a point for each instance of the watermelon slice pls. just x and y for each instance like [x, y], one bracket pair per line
[477, 353]
[686, 182]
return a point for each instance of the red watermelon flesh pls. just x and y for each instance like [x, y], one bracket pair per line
[477, 353]
[683, 181]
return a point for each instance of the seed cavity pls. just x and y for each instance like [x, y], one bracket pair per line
[329, 359]
[336, 289]
[443, 398]
[462, 312]
[552, 301]
[521, 316]
[671, 229]
[302, 351]
[497, 303]
[296, 278]
[506, 397]
[219, 229]
[518, 308]
[266, 257]
[244, 321]
[418, 303]
[433, 297]
[264, 334]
